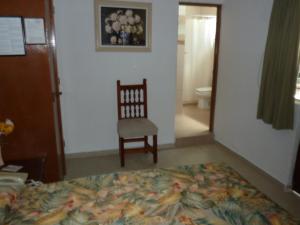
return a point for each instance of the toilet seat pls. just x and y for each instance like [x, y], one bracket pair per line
[204, 91]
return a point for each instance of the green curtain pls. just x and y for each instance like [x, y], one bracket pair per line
[280, 67]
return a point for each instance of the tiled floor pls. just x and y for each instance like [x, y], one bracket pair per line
[78, 167]
[191, 122]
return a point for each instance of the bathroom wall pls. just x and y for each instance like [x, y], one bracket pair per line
[180, 59]
[185, 10]
[179, 79]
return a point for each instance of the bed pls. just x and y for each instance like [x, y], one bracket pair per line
[210, 194]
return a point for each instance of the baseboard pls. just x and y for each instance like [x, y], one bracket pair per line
[99, 153]
[254, 167]
[96, 153]
[204, 139]
[283, 187]
[186, 103]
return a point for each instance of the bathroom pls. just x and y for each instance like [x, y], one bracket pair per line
[197, 27]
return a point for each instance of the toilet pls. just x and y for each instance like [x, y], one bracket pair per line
[204, 95]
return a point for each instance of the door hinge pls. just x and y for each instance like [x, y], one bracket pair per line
[56, 95]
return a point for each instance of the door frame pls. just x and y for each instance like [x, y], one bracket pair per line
[216, 57]
[55, 82]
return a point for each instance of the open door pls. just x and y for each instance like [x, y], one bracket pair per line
[296, 179]
[29, 94]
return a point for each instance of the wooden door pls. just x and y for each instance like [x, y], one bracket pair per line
[29, 94]
[296, 179]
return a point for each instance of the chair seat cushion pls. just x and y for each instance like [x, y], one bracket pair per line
[131, 128]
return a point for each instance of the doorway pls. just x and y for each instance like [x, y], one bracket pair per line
[197, 60]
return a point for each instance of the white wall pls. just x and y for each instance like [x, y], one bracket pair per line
[89, 77]
[205, 1]
[243, 37]
[88, 81]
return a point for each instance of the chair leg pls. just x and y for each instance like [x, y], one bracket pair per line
[155, 148]
[146, 143]
[122, 151]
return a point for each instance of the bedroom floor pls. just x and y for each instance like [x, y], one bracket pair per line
[84, 166]
[191, 122]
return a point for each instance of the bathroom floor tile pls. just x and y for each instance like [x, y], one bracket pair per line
[191, 122]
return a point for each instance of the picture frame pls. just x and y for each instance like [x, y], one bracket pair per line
[12, 40]
[35, 33]
[123, 26]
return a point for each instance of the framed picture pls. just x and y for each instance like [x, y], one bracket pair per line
[34, 31]
[123, 26]
[11, 36]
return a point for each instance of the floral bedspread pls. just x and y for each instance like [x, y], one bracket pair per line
[209, 194]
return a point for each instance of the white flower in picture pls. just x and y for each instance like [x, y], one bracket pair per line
[116, 26]
[123, 27]
[113, 40]
[120, 41]
[129, 13]
[140, 29]
[131, 20]
[108, 29]
[123, 19]
[133, 30]
[114, 16]
[128, 29]
[137, 18]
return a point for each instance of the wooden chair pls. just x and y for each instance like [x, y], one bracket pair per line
[133, 122]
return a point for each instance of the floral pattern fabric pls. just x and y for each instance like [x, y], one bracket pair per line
[8, 195]
[209, 194]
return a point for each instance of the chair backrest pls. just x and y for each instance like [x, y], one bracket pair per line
[132, 100]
